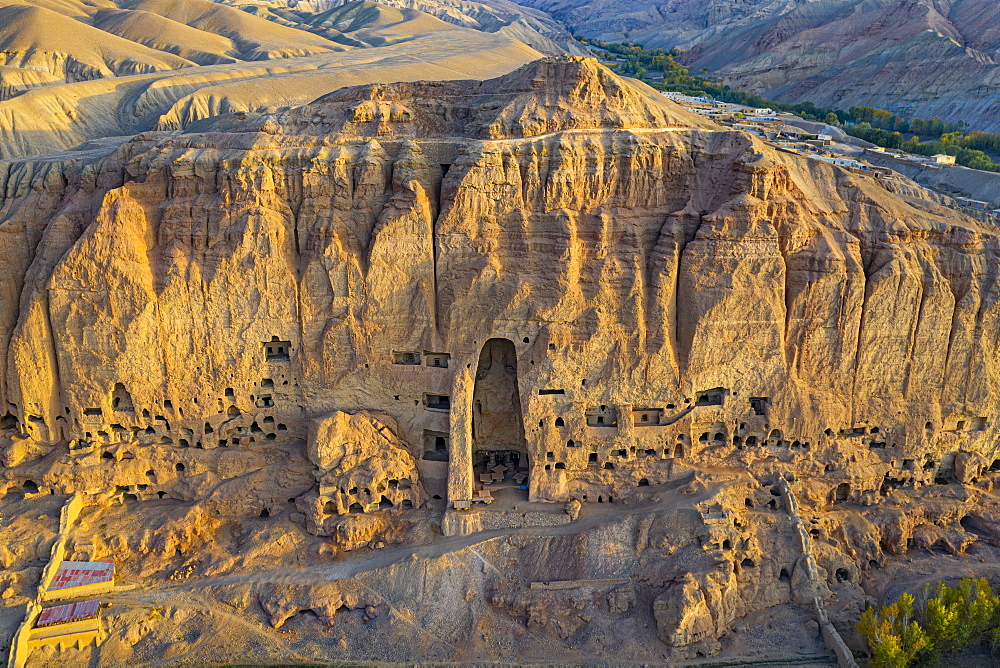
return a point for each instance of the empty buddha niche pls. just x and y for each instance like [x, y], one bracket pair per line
[500, 454]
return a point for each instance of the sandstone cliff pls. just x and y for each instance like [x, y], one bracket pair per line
[347, 313]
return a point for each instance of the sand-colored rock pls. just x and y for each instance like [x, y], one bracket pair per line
[164, 65]
[767, 381]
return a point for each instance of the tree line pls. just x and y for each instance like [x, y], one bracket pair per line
[877, 126]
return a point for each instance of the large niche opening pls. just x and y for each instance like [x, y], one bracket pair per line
[500, 453]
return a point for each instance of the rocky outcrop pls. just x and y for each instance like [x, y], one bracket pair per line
[362, 465]
[278, 315]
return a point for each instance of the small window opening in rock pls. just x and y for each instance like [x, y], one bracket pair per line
[930, 465]
[678, 451]
[643, 482]
[719, 436]
[747, 563]
[525, 339]
[550, 455]
[179, 466]
[671, 406]
[548, 467]
[711, 397]
[650, 452]
[438, 360]
[282, 427]
[759, 405]
[727, 544]
[437, 402]
[843, 491]
[560, 466]
[356, 508]
[751, 441]
[265, 513]
[749, 504]
[961, 425]
[592, 457]
[940, 480]
[107, 455]
[783, 576]
[121, 400]
[843, 575]
[329, 508]
[703, 438]
[552, 346]
[30, 486]
[928, 425]
[609, 466]
[406, 504]
[600, 499]
[437, 497]
[276, 350]
[404, 483]
[150, 474]
[547, 392]
[772, 504]
[384, 503]
[183, 443]
[560, 422]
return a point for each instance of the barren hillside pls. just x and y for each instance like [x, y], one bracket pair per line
[915, 57]
[83, 70]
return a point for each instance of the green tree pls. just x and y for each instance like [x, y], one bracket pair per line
[957, 617]
[894, 636]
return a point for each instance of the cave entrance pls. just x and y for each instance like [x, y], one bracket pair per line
[500, 453]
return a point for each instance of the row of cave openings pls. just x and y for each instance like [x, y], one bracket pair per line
[275, 351]
[121, 401]
[384, 503]
[603, 416]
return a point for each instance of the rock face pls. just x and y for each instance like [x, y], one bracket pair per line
[646, 291]
[556, 269]
[918, 57]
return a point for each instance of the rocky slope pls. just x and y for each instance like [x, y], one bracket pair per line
[274, 355]
[535, 28]
[86, 71]
[917, 58]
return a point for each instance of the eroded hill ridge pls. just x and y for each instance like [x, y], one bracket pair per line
[349, 314]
